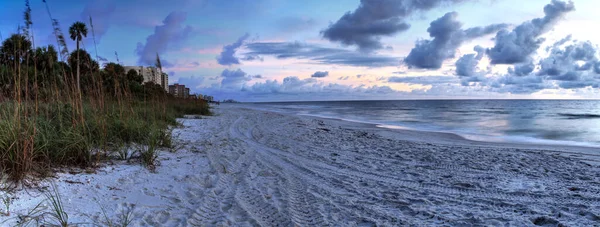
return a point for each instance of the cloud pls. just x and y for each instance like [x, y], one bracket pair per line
[227, 56]
[193, 82]
[319, 54]
[295, 86]
[568, 66]
[257, 76]
[516, 46]
[560, 42]
[466, 66]
[518, 84]
[358, 60]
[374, 19]
[172, 32]
[447, 37]
[234, 79]
[522, 69]
[426, 80]
[101, 13]
[573, 66]
[253, 58]
[320, 74]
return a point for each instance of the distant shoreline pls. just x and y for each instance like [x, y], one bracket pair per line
[589, 153]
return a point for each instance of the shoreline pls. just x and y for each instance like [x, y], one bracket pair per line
[590, 154]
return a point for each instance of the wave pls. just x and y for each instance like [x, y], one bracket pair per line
[579, 116]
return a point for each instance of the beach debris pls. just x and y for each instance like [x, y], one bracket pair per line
[74, 182]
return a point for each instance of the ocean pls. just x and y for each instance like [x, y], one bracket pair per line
[561, 122]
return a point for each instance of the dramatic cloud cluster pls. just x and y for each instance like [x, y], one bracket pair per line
[170, 33]
[374, 19]
[574, 66]
[318, 54]
[320, 74]
[516, 46]
[447, 37]
[571, 66]
[227, 56]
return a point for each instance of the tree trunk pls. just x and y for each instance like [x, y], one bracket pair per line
[78, 84]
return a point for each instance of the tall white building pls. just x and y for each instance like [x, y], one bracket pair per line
[151, 74]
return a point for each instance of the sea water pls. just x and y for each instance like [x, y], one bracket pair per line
[562, 122]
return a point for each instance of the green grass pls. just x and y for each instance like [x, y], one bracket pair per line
[36, 140]
[124, 217]
[57, 215]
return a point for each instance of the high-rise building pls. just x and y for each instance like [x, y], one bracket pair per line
[164, 81]
[179, 91]
[151, 74]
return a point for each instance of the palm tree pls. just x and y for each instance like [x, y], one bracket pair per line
[77, 31]
[14, 48]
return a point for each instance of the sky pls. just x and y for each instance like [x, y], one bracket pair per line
[287, 50]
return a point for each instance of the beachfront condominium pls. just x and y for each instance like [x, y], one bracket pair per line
[151, 74]
[179, 91]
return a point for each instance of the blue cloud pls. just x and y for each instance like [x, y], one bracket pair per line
[374, 19]
[320, 55]
[516, 46]
[171, 32]
[447, 37]
[227, 56]
[320, 74]
[234, 79]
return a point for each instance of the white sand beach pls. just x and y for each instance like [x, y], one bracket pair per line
[245, 167]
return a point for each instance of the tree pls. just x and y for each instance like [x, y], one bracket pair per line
[114, 78]
[46, 62]
[87, 65]
[77, 31]
[46, 57]
[134, 77]
[14, 48]
[85, 62]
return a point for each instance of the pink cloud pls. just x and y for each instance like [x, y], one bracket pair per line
[192, 66]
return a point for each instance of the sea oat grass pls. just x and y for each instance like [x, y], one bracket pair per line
[63, 109]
